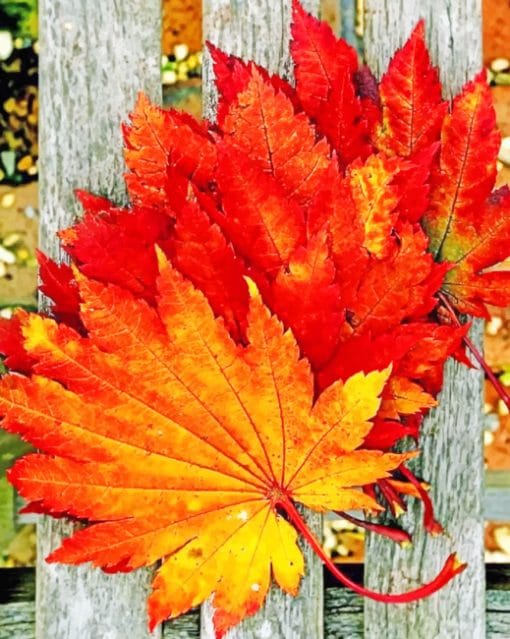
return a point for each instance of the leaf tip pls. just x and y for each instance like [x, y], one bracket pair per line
[457, 565]
[162, 259]
[419, 30]
[253, 289]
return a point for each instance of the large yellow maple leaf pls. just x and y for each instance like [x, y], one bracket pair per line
[176, 443]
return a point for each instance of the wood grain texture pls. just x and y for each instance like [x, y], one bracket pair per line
[497, 496]
[17, 620]
[451, 441]
[95, 57]
[259, 30]
[343, 613]
[185, 627]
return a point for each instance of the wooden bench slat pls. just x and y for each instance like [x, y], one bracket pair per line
[343, 609]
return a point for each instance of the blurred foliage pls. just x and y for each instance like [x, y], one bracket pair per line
[18, 116]
[7, 515]
[19, 17]
[180, 65]
[11, 447]
[182, 22]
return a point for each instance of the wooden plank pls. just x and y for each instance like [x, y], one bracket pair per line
[95, 57]
[187, 627]
[452, 457]
[497, 495]
[259, 30]
[498, 601]
[17, 620]
[343, 609]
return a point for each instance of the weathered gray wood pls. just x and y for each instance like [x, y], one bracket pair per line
[259, 30]
[95, 57]
[497, 495]
[17, 620]
[186, 627]
[343, 617]
[451, 442]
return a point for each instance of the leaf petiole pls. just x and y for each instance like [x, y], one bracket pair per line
[451, 567]
[392, 532]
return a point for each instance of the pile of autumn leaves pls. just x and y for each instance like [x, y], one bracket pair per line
[351, 210]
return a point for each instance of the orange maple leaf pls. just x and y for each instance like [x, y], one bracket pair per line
[176, 443]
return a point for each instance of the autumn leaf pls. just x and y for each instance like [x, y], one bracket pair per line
[14, 354]
[232, 435]
[305, 296]
[471, 282]
[412, 106]
[393, 290]
[114, 244]
[413, 184]
[467, 226]
[262, 124]
[200, 251]
[232, 76]
[258, 217]
[376, 199]
[57, 284]
[325, 67]
[155, 138]
[404, 397]
[418, 351]
[467, 167]
[367, 89]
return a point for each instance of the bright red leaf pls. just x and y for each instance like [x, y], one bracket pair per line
[324, 70]
[412, 106]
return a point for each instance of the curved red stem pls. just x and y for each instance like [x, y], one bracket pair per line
[392, 532]
[452, 566]
[500, 389]
[395, 502]
[429, 521]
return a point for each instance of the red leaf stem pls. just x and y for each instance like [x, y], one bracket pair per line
[395, 502]
[429, 521]
[396, 534]
[452, 566]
